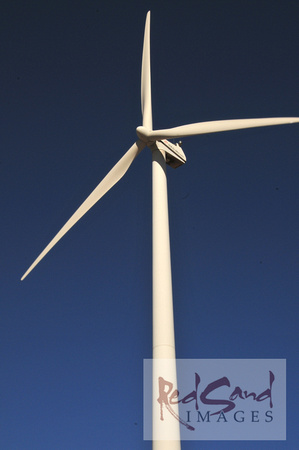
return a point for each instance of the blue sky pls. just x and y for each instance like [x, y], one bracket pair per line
[74, 334]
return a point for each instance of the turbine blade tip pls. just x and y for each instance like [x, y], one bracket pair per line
[24, 276]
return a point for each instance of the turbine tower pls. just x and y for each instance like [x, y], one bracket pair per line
[163, 153]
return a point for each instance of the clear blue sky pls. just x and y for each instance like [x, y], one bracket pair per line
[73, 335]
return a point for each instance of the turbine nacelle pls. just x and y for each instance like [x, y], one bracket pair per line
[174, 155]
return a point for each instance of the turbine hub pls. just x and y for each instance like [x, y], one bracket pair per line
[143, 133]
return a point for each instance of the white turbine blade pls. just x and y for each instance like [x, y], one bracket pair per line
[115, 174]
[213, 127]
[146, 96]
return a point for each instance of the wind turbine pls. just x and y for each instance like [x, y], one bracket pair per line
[163, 152]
